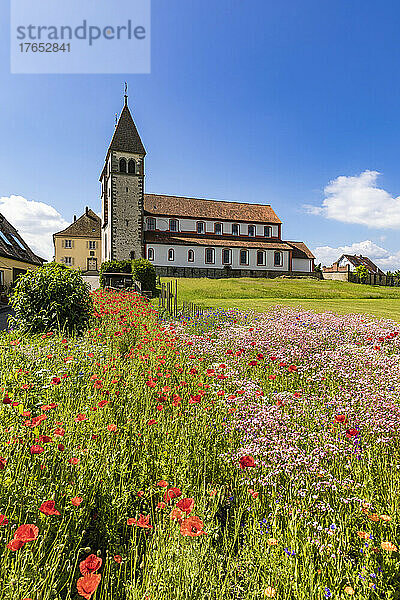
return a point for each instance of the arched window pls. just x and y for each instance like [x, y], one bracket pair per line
[267, 231]
[151, 223]
[278, 261]
[122, 165]
[171, 254]
[173, 225]
[260, 257]
[226, 256]
[150, 253]
[132, 166]
[190, 255]
[244, 257]
[210, 256]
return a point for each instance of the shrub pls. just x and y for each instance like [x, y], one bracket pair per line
[114, 266]
[143, 270]
[362, 273]
[51, 297]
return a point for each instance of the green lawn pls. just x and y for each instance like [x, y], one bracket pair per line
[261, 294]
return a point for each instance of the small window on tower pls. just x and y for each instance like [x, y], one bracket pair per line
[150, 253]
[132, 166]
[190, 255]
[171, 254]
[122, 165]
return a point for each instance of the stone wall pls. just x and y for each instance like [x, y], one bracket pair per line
[225, 273]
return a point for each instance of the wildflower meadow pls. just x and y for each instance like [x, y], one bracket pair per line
[236, 456]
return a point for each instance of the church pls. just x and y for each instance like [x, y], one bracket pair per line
[187, 237]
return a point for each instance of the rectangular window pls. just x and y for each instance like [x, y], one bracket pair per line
[210, 256]
[92, 245]
[68, 261]
[68, 243]
[252, 231]
[235, 229]
[226, 256]
[151, 224]
[173, 225]
[243, 257]
[267, 231]
[200, 228]
[218, 228]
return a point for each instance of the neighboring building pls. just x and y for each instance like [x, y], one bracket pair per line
[79, 245]
[187, 236]
[349, 262]
[15, 255]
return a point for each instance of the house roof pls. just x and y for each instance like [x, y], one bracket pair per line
[359, 260]
[300, 250]
[13, 246]
[152, 237]
[88, 225]
[126, 137]
[199, 208]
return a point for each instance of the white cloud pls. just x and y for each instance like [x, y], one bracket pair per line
[358, 200]
[35, 221]
[386, 260]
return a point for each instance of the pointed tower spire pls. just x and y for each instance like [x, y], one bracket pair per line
[126, 137]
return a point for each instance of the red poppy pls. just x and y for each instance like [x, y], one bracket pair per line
[161, 505]
[86, 586]
[73, 461]
[162, 483]
[59, 431]
[351, 432]
[142, 521]
[48, 508]
[177, 515]
[80, 417]
[340, 418]
[186, 505]
[36, 449]
[91, 564]
[246, 461]
[172, 493]
[151, 422]
[56, 380]
[3, 520]
[3, 462]
[15, 545]
[102, 403]
[61, 447]
[192, 526]
[118, 558]
[112, 427]
[76, 501]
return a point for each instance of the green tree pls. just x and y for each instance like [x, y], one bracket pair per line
[53, 297]
[144, 271]
[362, 273]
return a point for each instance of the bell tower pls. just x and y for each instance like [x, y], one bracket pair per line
[122, 191]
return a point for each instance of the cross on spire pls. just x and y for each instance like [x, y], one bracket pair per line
[126, 94]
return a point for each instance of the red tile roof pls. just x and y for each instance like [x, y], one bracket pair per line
[300, 250]
[199, 208]
[152, 237]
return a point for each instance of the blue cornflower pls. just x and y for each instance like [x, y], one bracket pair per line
[289, 552]
[328, 593]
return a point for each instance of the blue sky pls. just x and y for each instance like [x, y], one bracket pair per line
[253, 101]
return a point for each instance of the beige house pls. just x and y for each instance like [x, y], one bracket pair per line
[15, 255]
[79, 245]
